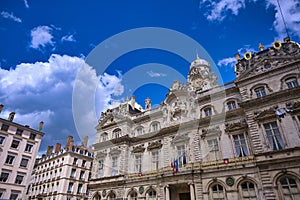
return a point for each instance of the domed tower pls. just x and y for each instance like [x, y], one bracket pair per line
[200, 76]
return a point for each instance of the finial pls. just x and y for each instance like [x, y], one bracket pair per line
[237, 56]
[127, 99]
[261, 47]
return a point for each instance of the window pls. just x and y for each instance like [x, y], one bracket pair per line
[117, 133]
[248, 190]
[155, 126]
[83, 163]
[19, 131]
[70, 187]
[24, 162]
[81, 175]
[231, 105]
[289, 188]
[19, 179]
[152, 195]
[2, 138]
[133, 195]
[218, 192]
[15, 144]
[155, 160]
[1, 193]
[13, 196]
[73, 171]
[213, 147]
[114, 166]
[240, 145]
[274, 137]
[4, 176]
[75, 161]
[100, 171]
[4, 127]
[10, 159]
[79, 189]
[28, 147]
[104, 137]
[138, 163]
[260, 92]
[291, 82]
[207, 112]
[181, 155]
[32, 136]
[112, 196]
[139, 131]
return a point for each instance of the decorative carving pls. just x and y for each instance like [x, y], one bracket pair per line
[177, 86]
[214, 130]
[268, 113]
[180, 138]
[101, 154]
[115, 151]
[138, 149]
[154, 145]
[237, 126]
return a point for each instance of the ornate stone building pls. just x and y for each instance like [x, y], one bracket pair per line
[240, 140]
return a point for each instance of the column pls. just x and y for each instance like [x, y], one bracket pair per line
[192, 191]
[167, 193]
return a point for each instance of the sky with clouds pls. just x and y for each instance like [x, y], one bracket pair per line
[44, 44]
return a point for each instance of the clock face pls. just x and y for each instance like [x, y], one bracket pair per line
[230, 181]
[197, 83]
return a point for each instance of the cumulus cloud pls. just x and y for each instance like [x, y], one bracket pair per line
[41, 36]
[68, 38]
[10, 16]
[42, 91]
[219, 10]
[155, 74]
[227, 62]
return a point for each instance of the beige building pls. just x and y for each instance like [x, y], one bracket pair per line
[62, 174]
[19, 146]
[240, 140]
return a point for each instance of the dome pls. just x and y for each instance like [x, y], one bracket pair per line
[199, 62]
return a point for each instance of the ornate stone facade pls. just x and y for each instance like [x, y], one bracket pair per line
[240, 140]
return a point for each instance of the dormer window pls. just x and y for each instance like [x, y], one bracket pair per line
[104, 137]
[291, 82]
[117, 133]
[231, 105]
[260, 92]
[207, 112]
[155, 126]
[139, 131]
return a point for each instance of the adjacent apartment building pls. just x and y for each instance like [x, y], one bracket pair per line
[62, 174]
[240, 140]
[19, 146]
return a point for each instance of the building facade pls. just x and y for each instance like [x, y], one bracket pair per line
[19, 146]
[240, 140]
[62, 174]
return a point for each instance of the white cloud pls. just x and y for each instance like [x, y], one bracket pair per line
[218, 11]
[68, 38]
[291, 13]
[11, 16]
[155, 74]
[227, 62]
[42, 91]
[26, 4]
[41, 36]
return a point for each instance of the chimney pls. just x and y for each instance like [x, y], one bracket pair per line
[85, 141]
[57, 147]
[1, 107]
[147, 103]
[132, 102]
[69, 139]
[41, 124]
[11, 116]
[49, 150]
[71, 145]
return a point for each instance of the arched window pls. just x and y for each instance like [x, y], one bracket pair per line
[231, 105]
[218, 192]
[207, 112]
[139, 131]
[152, 194]
[260, 92]
[132, 195]
[117, 133]
[97, 197]
[112, 196]
[289, 187]
[291, 82]
[247, 190]
[155, 126]
[104, 137]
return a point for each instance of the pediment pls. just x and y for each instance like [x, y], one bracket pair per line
[138, 149]
[154, 145]
[180, 139]
[115, 151]
[212, 131]
[237, 126]
[267, 60]
[265, 114]
[101, 154]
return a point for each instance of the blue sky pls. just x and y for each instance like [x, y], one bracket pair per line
[44, 43]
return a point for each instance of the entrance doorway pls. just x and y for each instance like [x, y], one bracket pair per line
[184, 196]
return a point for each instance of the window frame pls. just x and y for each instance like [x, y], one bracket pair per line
[297, 184]
[241, 149]
[269, 123]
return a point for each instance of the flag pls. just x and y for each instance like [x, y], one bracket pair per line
[172, 164]
[175, 169]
